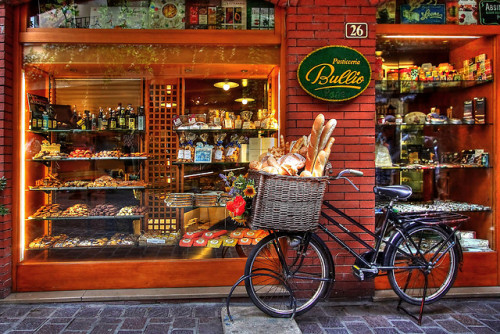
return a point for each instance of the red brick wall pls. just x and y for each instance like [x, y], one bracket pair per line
[6, 137]
[310, 25]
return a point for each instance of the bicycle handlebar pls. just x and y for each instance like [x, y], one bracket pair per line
[348, 171]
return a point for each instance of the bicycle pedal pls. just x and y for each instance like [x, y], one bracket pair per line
[363, 273]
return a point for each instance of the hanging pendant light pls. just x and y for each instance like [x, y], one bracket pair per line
[244, 100]
[226, 85]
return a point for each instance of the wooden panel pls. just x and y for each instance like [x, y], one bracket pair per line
[128, 275]
[146, 36]
[478, 269]
[163, 104]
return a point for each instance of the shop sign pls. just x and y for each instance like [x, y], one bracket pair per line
[423, 14]
[334, 73]
[489, 12]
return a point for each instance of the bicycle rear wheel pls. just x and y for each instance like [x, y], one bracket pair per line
[424, 252]
[285, 259]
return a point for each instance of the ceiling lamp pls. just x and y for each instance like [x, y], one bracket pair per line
[245, 100]
[226, 85]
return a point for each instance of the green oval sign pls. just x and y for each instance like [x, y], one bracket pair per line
[334, 73]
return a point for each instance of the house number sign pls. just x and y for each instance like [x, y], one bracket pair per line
[334, 73]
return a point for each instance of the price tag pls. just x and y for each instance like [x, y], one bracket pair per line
[180, 155]
[218, 155]
[187, 154]
[230, 151]
[356, 30]
[155, 241]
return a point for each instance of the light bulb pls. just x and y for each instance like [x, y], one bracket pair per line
[244, 101]
[226, 86]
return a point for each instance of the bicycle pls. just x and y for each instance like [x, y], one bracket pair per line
[288, 272]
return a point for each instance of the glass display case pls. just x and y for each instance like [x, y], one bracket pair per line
[434, 131]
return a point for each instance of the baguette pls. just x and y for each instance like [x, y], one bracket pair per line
[327, 133]
[297, 145]
[312, 148]
[322, 160]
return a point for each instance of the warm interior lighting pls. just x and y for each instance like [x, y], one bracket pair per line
[226, 85]
[245, 100]
[244, 82]
[430, 37]
[23, 171]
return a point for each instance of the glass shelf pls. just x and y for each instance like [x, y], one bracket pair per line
[85, 188]
[444, 166]
[210, 163]
[88, 159]
[429, 125]
[86, 218]
[423, 87]
[77, 131]
[252, 131]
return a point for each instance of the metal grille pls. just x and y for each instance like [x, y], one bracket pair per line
[163, 104]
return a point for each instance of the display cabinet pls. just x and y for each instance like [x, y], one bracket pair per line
[435, 131]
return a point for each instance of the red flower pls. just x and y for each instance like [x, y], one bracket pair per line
[237, 206]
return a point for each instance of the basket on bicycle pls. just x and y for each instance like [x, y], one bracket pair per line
[288, 203]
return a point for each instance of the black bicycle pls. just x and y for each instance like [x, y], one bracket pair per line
[288, 272]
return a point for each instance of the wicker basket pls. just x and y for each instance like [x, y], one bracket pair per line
[286, 203]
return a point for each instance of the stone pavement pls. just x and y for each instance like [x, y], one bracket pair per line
[480, 315]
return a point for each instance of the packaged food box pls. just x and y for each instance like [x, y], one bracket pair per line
[467, 12]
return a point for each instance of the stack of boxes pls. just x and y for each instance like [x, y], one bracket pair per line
[469, 242]
[477, 68]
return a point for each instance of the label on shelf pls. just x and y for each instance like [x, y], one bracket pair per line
[155, 241]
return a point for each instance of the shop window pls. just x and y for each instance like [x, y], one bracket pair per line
[154, 14]
[107, 129]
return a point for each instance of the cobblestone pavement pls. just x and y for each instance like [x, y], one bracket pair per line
[446, 316]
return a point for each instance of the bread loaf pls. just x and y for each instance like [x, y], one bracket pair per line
[305, 173]
[313, 146]
[327, 133]
[322, 159]
[297, 145]
[270, 170]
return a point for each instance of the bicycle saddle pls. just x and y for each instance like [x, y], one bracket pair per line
[393, 192]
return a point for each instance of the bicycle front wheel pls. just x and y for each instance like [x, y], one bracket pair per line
[425, 253]
[283, 265]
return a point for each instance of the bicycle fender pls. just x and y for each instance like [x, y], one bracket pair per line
[394, 238]
[458, 246]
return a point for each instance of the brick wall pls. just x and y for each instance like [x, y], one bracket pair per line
[6, 137]
[310, 25]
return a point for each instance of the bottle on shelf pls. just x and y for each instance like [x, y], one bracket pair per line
[34, 122]
[228, 122]
[105, 120]
[93, 123]
[127, 116]
[53, 116]
[82, 122]
[132, 119]
[112, 121]
[238, 122]
[217, 121]
[45, 120]
[121, 117]
[141, 119]
[99, 119]
[87, 120]
[74, 117]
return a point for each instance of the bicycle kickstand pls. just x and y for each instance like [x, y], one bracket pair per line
[422, 304]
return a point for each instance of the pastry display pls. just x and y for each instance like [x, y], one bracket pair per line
[80, 153]
[77, 210]
[67, 243]
[77, 184]
[307, 156]
[132, 211]
[47, 211]
[104, 210]
[179, 199]
[50, 181]
[122, 239]
[45, 241]
[107, 154]
[103, 181]
[91, 242]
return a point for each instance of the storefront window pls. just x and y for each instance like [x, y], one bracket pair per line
[125, 147]
[155, 14]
